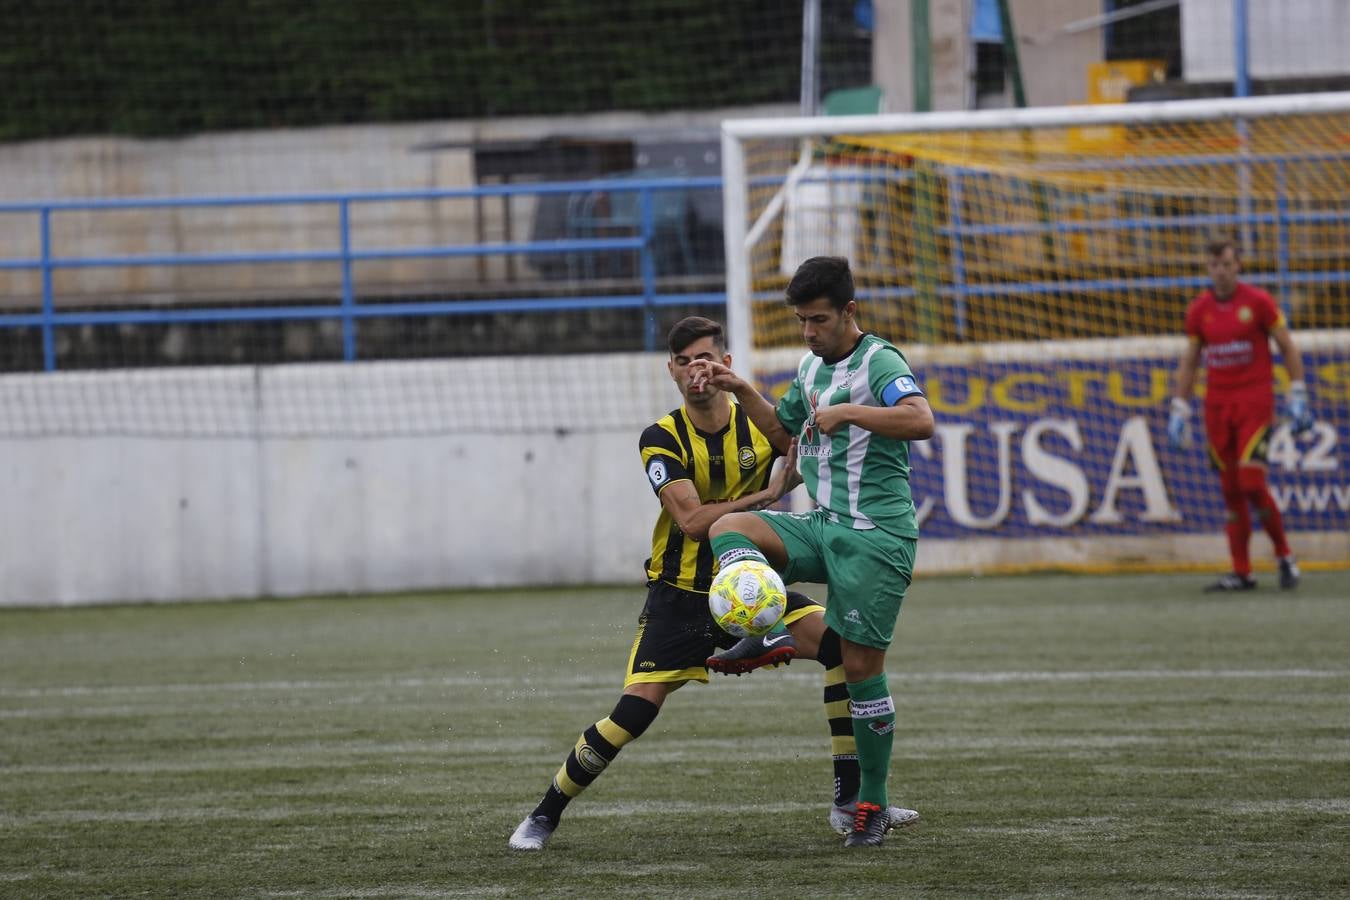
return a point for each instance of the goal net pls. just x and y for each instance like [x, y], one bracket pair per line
[1035, 266]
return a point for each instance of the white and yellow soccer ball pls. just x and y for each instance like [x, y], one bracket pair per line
[747, 598]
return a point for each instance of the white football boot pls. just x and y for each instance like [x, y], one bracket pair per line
[841, 817]
[532, 834]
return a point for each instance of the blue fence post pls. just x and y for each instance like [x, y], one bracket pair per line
[1282, 234]
[954, 227]
[647, 213]
[1242, 79]
[348, 293]
[48, 297]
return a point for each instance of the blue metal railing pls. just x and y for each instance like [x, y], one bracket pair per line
[349, 309]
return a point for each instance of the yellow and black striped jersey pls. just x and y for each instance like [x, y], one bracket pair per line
[724, 466]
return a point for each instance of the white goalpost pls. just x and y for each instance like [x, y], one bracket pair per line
[1035, 265]
[740, 239]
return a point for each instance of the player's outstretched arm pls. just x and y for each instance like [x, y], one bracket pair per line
[760, 411]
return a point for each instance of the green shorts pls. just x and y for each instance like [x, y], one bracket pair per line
[866, 571]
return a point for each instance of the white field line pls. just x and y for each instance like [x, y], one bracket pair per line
[610, 810]
[1122, 675]
[1334, 806]
[609, 679]
[198, 814]
[692, 808]
[912, 747]
[401, 890]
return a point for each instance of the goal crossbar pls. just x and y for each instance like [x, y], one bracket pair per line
[1041, 117]
[736, 132]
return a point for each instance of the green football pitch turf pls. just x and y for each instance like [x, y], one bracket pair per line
[1061, 735]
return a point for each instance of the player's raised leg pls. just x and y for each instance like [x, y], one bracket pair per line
[797, 635]
[741, 536]
[746, 535]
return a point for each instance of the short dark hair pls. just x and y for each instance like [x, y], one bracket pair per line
[821, 276]
[690, 329]
[1218, 245]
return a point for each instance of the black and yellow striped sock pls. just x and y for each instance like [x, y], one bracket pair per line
[594, 750]
[843, 745]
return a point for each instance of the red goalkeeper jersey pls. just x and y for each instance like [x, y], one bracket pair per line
[1235, 334]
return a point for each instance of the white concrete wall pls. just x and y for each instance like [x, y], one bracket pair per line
[893, 56]
[95, 519]
[1285, 39]
[952, 54]
[1054, 65]
[194, 484]
[382, 515]
[100, 519]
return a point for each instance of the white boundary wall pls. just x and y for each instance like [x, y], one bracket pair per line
[90, 520]
[1301, 39]
[265, 510]
[465, 497]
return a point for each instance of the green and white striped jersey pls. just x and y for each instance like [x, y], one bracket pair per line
[861, 479]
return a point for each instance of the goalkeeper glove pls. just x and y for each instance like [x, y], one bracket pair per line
[1179, 424]
[1296, 406]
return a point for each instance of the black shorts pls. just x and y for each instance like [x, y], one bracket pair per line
[676, 634]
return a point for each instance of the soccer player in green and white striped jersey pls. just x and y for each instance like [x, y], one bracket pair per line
[853, 408]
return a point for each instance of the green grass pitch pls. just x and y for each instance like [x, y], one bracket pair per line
[1061, 735]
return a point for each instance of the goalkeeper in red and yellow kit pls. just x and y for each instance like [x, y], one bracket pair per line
[1232, 325]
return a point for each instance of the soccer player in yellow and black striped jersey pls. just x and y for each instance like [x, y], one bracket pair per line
[701, 470]
[703, 460]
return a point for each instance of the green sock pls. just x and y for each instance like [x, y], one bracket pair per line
[874, 729]
[732, 546]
